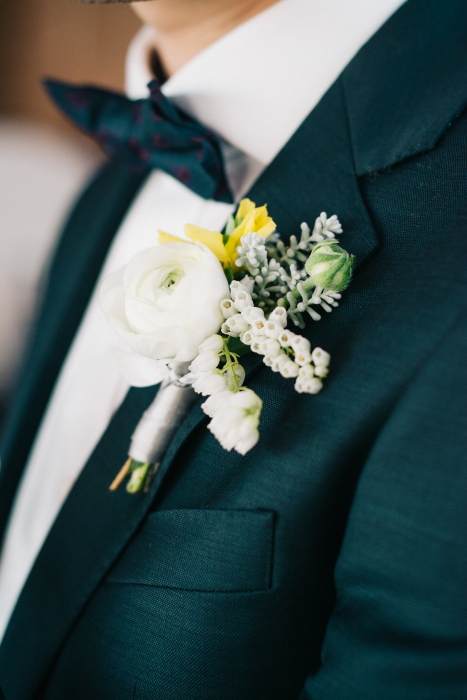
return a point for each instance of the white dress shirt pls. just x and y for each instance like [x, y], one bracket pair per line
[40, 173]
[254, 87]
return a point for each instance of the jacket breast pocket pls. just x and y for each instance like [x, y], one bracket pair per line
[200, 550]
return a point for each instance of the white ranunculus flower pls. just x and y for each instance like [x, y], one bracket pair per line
[166, 301]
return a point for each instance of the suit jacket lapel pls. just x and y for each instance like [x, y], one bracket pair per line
[317, 170]
[407, 84]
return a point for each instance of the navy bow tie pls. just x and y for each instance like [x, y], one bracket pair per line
[147, 133]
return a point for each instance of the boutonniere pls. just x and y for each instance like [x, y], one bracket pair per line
[189, 309]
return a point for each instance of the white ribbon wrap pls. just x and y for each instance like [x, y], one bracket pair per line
[160, 421]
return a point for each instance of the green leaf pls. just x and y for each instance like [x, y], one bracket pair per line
[230, 226]
[229, 273]
[236, 346]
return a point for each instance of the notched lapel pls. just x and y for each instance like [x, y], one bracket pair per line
[315, 172]
[407, 84]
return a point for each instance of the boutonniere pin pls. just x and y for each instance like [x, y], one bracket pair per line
[189, 309]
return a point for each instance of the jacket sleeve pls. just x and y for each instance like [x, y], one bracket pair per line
[399, 627]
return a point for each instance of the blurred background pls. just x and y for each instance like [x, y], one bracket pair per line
[44, 162]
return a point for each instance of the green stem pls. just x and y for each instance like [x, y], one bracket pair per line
[229, 364]
[307, 285]
[138, 477]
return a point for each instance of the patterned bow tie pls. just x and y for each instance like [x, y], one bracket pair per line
[147, 133]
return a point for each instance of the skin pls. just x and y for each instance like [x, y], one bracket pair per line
[186, 27]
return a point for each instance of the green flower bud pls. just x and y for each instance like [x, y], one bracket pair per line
[330, 266]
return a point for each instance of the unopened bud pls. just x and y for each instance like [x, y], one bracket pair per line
[330, 266]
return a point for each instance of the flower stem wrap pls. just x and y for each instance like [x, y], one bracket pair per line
[160, 421]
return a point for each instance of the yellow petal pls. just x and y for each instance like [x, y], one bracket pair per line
[211, 239]
[244, 208]
[256, 221]
[168, 238]
[267, 229]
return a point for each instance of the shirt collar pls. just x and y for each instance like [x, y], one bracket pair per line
[256, 84]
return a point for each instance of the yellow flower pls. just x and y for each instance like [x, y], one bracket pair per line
[211, 239]
[248, 219]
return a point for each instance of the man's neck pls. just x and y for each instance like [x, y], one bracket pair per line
[186, 27]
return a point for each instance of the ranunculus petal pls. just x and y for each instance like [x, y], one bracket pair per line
[138, 370]
[166, 301]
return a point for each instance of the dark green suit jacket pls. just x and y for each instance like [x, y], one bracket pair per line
[330, 563]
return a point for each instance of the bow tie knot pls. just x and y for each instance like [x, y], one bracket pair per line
[147, 133]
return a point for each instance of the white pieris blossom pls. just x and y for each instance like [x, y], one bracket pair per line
[321, 357]
[205, 362]
[246, 285]
[325, 228]
[289, 369]
[227, 308]
[247, 337]
[242, 300]
[258, 326]
[308, 386]
[279, 315]
[208, 383]
[234, 376]
[285, 338]
[300, 344]
[260, 304]
[252, 313]
[321, 371]
[214, 343]
[303, 357]
[235, 419]
[306, 372]
[256, 345]
[235, 325]
[279, 361]
[273, 329]
[270, 347]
